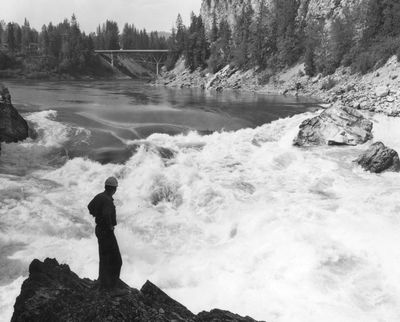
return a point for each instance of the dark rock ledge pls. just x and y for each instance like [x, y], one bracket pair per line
[52, 292]
[13, 127]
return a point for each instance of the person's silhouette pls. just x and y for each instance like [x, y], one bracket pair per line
[103, 209]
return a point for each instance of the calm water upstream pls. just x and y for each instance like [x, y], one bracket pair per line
[215, 205]
[117, 112]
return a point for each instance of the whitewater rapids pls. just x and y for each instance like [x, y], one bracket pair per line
[238, 220]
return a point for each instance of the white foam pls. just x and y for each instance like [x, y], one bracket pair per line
[249, 223]
[51, 133]
[8, 294]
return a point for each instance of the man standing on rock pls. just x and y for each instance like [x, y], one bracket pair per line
[103, 209]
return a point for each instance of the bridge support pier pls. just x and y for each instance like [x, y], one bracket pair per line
[158, 62]
[112, 59]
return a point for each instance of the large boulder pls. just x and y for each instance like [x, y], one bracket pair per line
[379, 158]
[382, 91]
[54, 293]
[13, 127]
[335, 126]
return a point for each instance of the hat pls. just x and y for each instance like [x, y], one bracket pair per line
[112, 182]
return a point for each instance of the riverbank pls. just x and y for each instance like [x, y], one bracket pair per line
[100, 68]
[376, 91]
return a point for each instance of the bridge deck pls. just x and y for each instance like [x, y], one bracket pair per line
[139, 51]
[156, 55]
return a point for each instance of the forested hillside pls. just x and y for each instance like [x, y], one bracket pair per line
[263, 34]
[274, 34]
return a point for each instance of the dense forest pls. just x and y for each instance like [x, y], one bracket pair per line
[361, 39]
[64, 48]
[269, 40]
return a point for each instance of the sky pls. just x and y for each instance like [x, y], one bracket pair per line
[157, 15]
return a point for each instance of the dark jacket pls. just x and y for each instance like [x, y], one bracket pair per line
[103, 209]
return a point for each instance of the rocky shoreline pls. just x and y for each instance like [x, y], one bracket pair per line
[54, 293]
[376, 91]
[346, 96]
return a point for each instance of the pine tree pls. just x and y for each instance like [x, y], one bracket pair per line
[11, 37]
[173, 54]
[391, 17]
[17, 37]
[220, 50]
[342, 34]
[214, 30]
[242, 35]
[180, 35]
[112, 35]
[2, 32]
[263, 43]
[288, 46]
[127, 37]
[225, 41]
[44, 41]
[373, 20]
[314, 34]
[26, 36]
[197, 47]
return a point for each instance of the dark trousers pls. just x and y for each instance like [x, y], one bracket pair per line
[110, 258]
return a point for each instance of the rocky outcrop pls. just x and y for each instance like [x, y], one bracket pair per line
[220, 76]
[54, 293]
[335, 126]
[13, 127]
[379, 158]
[382, 91]
[321, 10]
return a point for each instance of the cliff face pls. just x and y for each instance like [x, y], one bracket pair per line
[13, 127]
[308, 9]
[54, 293]
[224, 10]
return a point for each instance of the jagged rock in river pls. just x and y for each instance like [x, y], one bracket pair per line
[379, 158]
[335, 126]
[13, 127]
[54, 293]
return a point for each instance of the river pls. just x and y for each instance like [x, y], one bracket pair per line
[215, 205]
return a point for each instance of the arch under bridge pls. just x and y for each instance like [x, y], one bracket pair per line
[146, 56]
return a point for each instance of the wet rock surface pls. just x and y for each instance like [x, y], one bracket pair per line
[54, 293]
[379, 158]
[13, 127]
[335, 126]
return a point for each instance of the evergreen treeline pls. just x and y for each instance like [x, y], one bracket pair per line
[64, 48]
[273, 39]
[277, 38]
[190, 42]
[108, 36]
[61, 48]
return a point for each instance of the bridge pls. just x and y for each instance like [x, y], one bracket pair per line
[156, 56]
